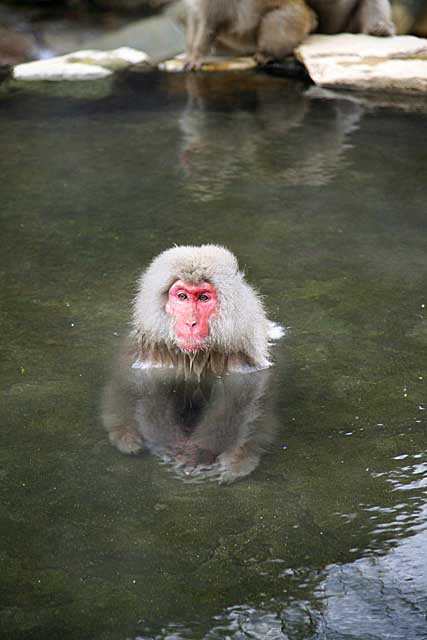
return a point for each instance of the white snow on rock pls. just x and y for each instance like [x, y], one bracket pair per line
[357, 61]
[80, 65]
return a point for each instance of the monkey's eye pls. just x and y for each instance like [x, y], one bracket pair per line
[203, 297]
[182, 296]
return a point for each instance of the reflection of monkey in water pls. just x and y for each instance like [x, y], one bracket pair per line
[214, 149]
[273, 28]
[203, 429]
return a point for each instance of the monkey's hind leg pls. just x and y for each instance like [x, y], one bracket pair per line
[373, 17]
[281, 30]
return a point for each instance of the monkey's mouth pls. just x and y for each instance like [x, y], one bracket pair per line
[191, 344]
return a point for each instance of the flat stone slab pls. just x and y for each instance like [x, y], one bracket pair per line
[220, 63]
[81, 65]
[356, 61]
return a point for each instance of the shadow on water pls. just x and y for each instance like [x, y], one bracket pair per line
[322, 199]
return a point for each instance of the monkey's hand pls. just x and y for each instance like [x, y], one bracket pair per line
[193, 63]
[262, 58]
[126, 439]
[237, 463]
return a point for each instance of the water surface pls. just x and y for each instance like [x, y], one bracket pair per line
[322, 197]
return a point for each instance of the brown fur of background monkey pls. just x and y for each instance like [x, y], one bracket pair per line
[273, 28]
[270, 28]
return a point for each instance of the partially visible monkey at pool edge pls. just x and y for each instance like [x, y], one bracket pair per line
[190, 382]
[272, 29]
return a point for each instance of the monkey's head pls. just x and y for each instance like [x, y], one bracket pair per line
[195, 299]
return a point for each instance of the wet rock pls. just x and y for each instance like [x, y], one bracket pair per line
[5, 72]
[81, 65]
[364, 62]
[225, 63]
[129, 6]
[15, 47]
[161, 37]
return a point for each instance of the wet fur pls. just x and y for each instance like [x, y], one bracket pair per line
[207, 429]
[239, 331]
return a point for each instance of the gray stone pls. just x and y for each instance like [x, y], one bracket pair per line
[161, 37]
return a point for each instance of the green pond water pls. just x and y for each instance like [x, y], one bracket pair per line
[322, 197]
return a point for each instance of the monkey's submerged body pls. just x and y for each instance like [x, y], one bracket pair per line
[202, 429]
[273, 28]
[178, 389]
[194, 312]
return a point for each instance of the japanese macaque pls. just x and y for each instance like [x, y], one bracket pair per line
[372, 17]
[270, 28]
[195, 313]
[208, 429]
[273, 28]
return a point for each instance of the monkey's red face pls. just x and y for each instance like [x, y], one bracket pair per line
[191, 306]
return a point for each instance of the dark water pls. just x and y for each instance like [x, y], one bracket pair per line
[323, 199]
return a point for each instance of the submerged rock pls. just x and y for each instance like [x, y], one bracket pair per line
[81, 65]
[366, 62]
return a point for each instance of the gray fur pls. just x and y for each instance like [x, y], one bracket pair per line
[239, 330]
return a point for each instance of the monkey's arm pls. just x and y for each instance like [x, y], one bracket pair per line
[201, 33]
[373, 17]
[118, 416]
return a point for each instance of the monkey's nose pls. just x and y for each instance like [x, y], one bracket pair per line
[192, 322]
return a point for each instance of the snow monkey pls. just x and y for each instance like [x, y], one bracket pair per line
[194, 312]
[372, 17]
[270, 28]
[273, 28]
